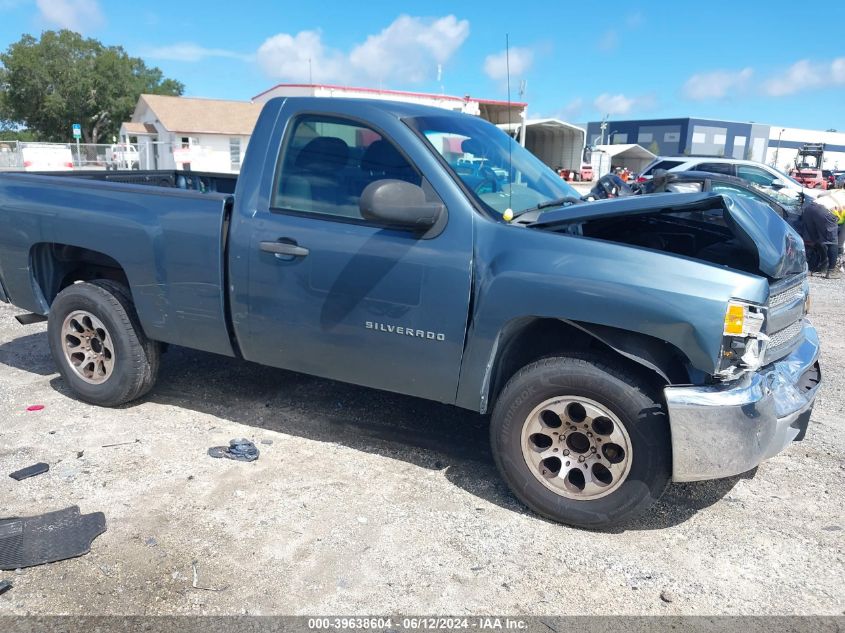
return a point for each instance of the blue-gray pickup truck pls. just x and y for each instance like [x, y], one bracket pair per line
[618, 345]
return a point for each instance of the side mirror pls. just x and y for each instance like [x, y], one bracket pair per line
[777, 183]
[399, 203]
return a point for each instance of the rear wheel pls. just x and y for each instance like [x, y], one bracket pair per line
[582, 441]
[98, 344]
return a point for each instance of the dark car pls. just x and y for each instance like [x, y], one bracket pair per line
[838, 180]
[787, 206]
[829, 177]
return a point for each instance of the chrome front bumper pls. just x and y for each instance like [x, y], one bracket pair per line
[729, 428]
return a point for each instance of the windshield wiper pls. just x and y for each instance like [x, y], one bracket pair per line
[557, 202]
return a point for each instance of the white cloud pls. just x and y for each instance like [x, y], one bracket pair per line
[619, 104]
[408, 50]
[190, 52]
[288, 57]
[717, 84]
[806, 75]
[521, 60]
[76, 15]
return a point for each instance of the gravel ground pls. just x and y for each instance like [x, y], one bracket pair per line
[371, 503]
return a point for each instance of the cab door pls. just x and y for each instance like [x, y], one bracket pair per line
[334, 295]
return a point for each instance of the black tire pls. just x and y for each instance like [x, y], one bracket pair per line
[627, 394]
[136, 357]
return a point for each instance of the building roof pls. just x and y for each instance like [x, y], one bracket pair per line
[630, 150]
[555, 124]
[203, 116]
[396, 93]
[134, 128]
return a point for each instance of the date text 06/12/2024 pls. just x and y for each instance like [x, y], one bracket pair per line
[417, 624]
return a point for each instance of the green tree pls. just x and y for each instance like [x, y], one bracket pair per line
[63, 78]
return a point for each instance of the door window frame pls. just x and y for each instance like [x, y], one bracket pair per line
[287, 137]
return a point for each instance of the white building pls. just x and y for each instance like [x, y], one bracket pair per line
[784, 143]
[190, 133]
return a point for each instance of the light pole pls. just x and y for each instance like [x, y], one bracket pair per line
[777, 149]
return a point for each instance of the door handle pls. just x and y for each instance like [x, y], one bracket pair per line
[289, 248]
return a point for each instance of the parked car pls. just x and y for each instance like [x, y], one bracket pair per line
[838, 179]
[661, 162]
[45, 157]
[618, 344]
[122, 156]
[786, 203]
[749, 170]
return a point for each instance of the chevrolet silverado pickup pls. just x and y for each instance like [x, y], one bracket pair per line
[618, 345]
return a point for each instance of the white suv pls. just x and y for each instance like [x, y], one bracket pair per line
[749, 170]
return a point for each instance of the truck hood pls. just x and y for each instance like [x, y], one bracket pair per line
[753, 228]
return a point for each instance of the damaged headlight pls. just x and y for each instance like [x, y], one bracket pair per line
[743, 340]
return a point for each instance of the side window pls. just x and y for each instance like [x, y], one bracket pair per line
[665, 164]
[684, 187]
[715, 168]
[326, 163]
[733, 191]
[755, 175]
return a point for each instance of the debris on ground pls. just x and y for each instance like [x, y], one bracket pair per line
[667, 596]
[5, 585]
[30, 471]
[35, 407]
[241, 450]
[195, 583]
[47, 538]
[136, 441]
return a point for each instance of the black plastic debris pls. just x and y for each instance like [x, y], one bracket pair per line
[5, 585]
[30, 471]
[241, 450]
[47, 538]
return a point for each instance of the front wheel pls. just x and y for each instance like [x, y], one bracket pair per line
[582, 441]
[98, 344]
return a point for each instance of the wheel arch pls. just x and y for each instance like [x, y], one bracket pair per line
[55, 266]
[527, 339]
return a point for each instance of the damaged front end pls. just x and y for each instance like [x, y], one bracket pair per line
[742, 234]
[759, 396]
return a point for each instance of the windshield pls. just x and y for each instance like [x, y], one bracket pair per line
[499, 172]
[788, 198]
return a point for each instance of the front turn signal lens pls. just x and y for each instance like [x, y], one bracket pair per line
[734, 319]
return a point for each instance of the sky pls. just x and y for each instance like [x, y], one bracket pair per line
[744, 61]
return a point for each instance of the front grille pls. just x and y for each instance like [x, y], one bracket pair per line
[785, 336]
[786, 316]
[786, 296]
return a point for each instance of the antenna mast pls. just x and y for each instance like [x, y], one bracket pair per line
[510, 144]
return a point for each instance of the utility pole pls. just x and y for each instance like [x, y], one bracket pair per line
[603, 127]
[777, 149]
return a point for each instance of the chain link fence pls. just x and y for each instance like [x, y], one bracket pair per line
[30, 156]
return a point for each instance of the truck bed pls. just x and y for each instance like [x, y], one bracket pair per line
[168, 243]
[204, 182]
